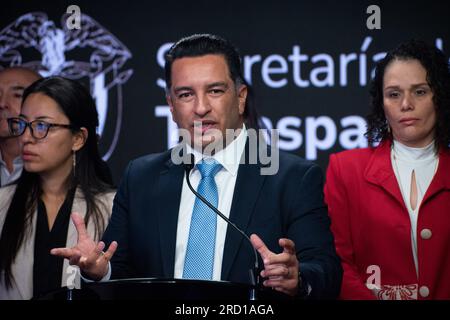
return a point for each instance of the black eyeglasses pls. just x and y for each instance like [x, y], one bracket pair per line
[39, 128]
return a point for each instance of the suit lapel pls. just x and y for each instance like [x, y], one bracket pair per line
[78, 206]
[169, 195]
[379, 171]
[246, 191]
[441, 179]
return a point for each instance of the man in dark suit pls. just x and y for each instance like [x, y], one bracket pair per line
[160, 229]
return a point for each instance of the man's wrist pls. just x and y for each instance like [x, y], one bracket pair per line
[303, 287]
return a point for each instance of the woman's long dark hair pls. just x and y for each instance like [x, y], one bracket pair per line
[438, 78]
[92, 175]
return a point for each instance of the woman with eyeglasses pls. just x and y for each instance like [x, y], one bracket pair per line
[63, 174]
[390, 204]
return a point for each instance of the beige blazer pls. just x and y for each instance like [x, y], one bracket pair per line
[22, 268]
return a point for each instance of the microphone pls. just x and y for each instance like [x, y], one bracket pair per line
[253, 272]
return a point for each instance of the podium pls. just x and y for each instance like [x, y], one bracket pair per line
[162, 289]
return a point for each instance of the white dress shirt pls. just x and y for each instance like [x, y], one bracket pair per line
[6, 177]
[225, 179]
[424, 162]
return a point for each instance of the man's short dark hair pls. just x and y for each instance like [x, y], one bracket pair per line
[198, 45]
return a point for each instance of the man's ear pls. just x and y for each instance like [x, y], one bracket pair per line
[170, 103]
[79, 139]
[242, 97]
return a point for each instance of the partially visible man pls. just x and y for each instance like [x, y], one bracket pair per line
[12, 83]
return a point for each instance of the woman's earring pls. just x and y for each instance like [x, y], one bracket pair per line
[74, 162]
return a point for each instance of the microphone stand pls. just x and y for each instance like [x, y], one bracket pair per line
[253, 272]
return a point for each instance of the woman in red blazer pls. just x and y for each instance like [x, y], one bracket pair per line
[390, 204]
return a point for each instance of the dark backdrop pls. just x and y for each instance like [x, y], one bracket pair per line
[294, 56]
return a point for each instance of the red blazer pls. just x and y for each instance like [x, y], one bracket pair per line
[371, 226]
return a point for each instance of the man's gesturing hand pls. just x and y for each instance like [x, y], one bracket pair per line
[87, 254]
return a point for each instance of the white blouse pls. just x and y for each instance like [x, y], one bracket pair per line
[424, 162]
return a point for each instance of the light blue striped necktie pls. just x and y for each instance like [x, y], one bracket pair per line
[199, 261]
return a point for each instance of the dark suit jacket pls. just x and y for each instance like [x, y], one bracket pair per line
[289, 204]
